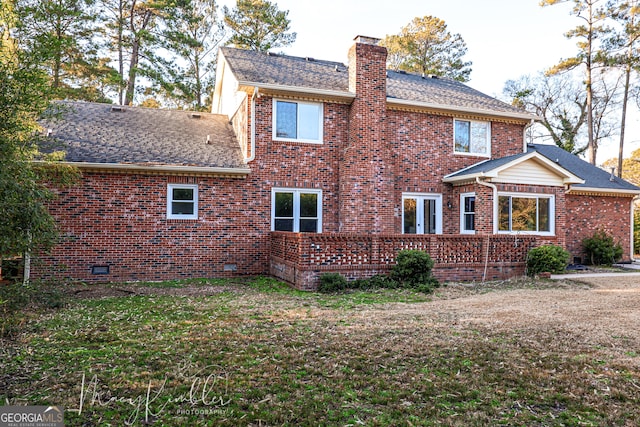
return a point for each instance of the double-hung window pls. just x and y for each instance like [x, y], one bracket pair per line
[467, 213]
[182, 201]
[296, 210]
[528, 213]
[421, 213]
[472, 137]
[297, 121]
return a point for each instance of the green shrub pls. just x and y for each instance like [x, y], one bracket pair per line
[413, 270]
[332, 282]
[601, 249]
[548, 258]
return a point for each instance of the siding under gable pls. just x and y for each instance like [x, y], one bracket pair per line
[529, 172]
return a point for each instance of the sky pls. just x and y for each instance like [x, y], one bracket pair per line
[506, 39]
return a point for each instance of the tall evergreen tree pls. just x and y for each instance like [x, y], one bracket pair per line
[25, 91]
[193, 38]
[258, 25]
[65, 29]
[426, 46]
[623, 51]
[593, 16]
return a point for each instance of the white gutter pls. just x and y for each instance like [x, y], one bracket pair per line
[456, 108]
[130, 167]
[495, 202]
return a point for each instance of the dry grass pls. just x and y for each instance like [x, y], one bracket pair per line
[514, 353]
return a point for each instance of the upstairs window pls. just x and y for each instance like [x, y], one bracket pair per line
[472, 137]
[297, 121]
[182, 201]
[299, 211]
[526, 213]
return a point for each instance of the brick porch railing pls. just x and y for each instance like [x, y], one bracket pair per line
[300, 258]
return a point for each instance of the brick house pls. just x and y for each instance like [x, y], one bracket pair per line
[309, 166]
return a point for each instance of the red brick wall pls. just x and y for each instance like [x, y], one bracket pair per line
[588, 213]
[120, 221]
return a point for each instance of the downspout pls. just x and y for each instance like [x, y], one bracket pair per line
[494, 221]
[495, 202]
[633, 208]
[524, 135]
[253, 127]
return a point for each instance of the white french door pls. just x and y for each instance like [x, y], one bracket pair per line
[421, 213]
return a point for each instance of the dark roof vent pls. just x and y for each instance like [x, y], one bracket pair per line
[434, 76]
[117, 109]
[309, 59]
[402, 72]
[195, 115]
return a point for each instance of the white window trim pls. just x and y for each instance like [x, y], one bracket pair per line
[435, 196]
[275, 124]
[170, 188]
[462, 212]
[461, 153]
[552, 213]
[296, 206]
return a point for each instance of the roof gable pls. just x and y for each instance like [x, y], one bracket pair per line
[527, 168]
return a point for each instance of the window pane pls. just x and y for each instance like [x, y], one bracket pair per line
[544, 213]
[284, 205]
[429, 212]
[462, 136]
[286, 119]
[309, 121]
[469, 222]
[470, 204]
[182, 208]
[308, 205]
[503, 213]
[283, 224]
[479, 137]
[410, 216]
[523, 214]
[308, 225]
[183, 194]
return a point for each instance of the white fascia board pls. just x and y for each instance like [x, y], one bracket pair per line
[300, 90]
[468, 110]
[130, 167]
[603, 191]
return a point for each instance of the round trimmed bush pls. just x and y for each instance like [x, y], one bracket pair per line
[413, 270]
[332, 282]
[547, 258]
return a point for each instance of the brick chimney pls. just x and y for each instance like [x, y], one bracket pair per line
[366, 179]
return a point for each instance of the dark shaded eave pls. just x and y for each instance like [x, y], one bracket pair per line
[157, 169]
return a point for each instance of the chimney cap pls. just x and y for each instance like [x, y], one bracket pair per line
[366, 40]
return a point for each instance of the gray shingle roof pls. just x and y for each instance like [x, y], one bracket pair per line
[93, 133]
[593, 176]
[258, 67]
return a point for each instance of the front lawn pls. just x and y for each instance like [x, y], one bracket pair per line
[258, 353]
